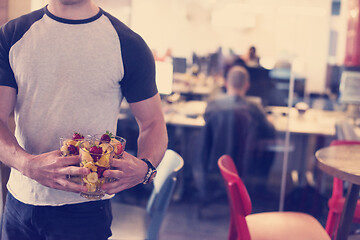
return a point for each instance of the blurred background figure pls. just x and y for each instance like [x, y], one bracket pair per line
[237, 127]
[252, 59]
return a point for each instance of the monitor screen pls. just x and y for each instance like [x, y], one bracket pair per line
[179, 64]
[164, 77]
[350, 87]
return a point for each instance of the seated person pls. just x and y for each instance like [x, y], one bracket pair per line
[237, 127]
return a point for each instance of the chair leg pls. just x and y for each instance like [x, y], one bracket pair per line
[232, 230]
[332, 223]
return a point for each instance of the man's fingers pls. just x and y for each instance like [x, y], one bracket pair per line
[118, 163]
[74, 170]
[114, 187]
[70, 160]
[117, 174]
[66, 185]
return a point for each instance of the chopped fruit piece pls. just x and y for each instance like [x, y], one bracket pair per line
[118, 146]
[86, 145]
[77, 136]
[104, 161]
[64, 150]
[77, 143]
[100, 171]
[71, 142]
[95, 152]
[70, 147]
[85, 156]
[105, 138]
[105, 147]
[91, 166]
[118, 149]
[92, 177]
[73, 150]
[91, 187]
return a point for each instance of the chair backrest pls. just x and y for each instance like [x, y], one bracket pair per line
[227, 131]
[239, 199]
[164, 184]
[338, 183]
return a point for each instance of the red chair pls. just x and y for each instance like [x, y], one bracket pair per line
[337, 200]
[267, 225]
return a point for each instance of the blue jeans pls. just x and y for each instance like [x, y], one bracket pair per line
[90, 221]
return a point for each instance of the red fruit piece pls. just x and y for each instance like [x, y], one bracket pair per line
[95, 152]
[77, 136]
[105, 138]
[73, 150]
[119, 149]
[100, 171]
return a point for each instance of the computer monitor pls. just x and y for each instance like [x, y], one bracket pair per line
[350, 92]
[179, 64]
[350, 87]
[164, 77]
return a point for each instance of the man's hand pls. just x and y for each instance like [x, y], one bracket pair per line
[52, 170]
[127, 172]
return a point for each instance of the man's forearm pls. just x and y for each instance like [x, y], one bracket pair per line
[11, 154]
[152, 142]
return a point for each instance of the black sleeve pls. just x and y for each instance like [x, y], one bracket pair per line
[139, 66]
[6, 74]
[138, 82]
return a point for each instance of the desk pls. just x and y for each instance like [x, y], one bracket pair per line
[193, 87]
[185, 114]
[313, 121]
[343, 162]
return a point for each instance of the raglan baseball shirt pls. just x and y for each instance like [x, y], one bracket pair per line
[70, 75]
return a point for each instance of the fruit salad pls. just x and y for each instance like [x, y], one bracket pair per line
[70, 146]
[117, 142]
[96, 156]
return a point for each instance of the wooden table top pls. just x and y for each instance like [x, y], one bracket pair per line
[341, 161]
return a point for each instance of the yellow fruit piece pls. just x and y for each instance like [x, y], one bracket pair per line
[85, 180]
[77, 143]
[114, 141]
[91, 187]
[92, 177]
[85, 156]
[101, 182]
[64, 150]
[71, 142]
[105, 147]
[91, 166]
[104, 161]
[86, 145]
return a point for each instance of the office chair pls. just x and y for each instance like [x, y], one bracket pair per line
[337, 199]
[266, 225]
[227, 131]
[133, 222]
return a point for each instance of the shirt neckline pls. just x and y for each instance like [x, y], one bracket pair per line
[73, 21]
